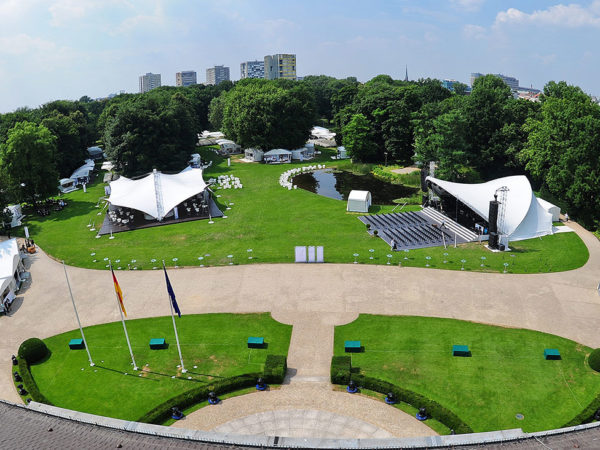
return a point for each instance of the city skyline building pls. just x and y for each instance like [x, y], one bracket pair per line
[280, 65]
[252, 69]
[217, 74]
[149, 81]
[512, 82]
[186, 78]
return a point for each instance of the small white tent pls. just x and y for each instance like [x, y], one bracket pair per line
[278, 155]
[359, 201]
[551, 209]
[253, 154]
[10, 267]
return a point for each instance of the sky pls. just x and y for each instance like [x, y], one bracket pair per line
[65, 49]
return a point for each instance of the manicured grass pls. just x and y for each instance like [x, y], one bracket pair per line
[506, 374]
[271, 220]
[214, 343]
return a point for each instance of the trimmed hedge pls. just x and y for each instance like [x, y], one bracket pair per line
[275, 369]
[585, 416]
[594, 360]
[30, 384]
[162, 412]
[274, 372]
[341, 373]
[340, 369]
[33, 350]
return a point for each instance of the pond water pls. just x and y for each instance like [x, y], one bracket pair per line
[338, 185]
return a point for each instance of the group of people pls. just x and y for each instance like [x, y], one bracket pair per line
[44, 208]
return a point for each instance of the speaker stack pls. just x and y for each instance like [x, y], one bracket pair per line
[493, 224]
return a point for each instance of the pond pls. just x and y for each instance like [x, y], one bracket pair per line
[338, 185]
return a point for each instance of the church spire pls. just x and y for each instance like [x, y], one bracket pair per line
[406, 75]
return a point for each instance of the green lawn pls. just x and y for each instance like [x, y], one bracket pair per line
[506, 375]
[214, 343]
[271, 220]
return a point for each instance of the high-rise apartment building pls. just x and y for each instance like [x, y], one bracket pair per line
[512, 82]
[252, 69]
[217, 74]
[280, 66]
[149, 82]
[185, 78]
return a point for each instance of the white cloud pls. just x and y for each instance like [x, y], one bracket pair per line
[570, 16]
[474, 32]
[144, 21]
[546, 59]
[64, 11]
[468, 5]
[22, 44]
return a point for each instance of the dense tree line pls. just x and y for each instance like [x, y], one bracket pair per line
[472, 138]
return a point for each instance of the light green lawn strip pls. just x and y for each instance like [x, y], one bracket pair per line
[215, 343]
[271, 220]
[507, 373]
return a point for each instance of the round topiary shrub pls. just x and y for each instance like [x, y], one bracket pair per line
[594, 360]
[33, 350]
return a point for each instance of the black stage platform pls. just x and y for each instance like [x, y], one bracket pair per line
[417, 229]
[140, 222]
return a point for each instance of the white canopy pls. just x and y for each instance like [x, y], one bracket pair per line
[359, 201]
[9, 262]
[524, 216]
[156, 194]
[83, 171]
[278, 151]
[322, 133]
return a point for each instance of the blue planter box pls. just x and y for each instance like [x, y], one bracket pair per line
[76, 344]
[461, 350]
[157, 343]
[551, 353]
[256, 342]
[352, 346]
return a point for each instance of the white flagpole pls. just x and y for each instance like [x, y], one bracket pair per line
[183, 369]
[135, 367]
[77, 315]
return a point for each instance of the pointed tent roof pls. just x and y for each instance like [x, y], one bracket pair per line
[524, 216]
[157, 193]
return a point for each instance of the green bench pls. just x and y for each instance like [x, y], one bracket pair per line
[256, 342]
[461, 350]
[352, 346]
[157, 343]
[76, 344]
[551, 353]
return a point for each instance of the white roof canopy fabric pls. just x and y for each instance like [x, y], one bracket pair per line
[9, 262]
[278, 151]
[524, 216]
[156, 194]
[84, 171]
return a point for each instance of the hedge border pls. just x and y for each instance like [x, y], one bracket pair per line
[29, 383]
[341, 373]
[274, 372]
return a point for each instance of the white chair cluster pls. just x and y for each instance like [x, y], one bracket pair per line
[228, 182]
[284, 178]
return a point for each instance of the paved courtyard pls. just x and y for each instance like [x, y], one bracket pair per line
[314, 298]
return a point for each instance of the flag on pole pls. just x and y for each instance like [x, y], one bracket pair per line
[119, 292]
[171, 293]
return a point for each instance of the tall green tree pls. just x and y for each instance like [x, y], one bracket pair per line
[70, 131]
[27, 164]
[563, 149]
[358, 139]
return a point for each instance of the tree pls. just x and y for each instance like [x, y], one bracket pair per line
[268, 114]
[26, 162]
[69, 131]
[562, 149]
[358, 140]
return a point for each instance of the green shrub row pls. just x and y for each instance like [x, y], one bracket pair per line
[587, 415]
[341, 373]
[340, 369]
[29, 383]
[275, 369]
[274, 372]
[162, 412]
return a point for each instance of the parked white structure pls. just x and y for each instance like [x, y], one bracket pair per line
[359, 201]
[253, 155]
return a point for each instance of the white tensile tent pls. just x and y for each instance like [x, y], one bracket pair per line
[359, 201]
[156, 194]
[524, 215]
[550, 208]
[10, 267]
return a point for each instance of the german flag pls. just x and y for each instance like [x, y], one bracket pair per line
[119, 292]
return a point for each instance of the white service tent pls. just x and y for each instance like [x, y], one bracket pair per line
[359, 201]
[278, 155]
[524, 216]
[551, 209]
[253, 154]
[10, 266]
[157, 193]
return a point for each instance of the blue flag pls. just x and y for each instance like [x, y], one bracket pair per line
[171, 294]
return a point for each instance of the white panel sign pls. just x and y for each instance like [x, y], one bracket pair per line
[311, 254]
[300, 254]
[320, 254]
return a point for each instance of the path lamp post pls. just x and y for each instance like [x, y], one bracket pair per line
[371, 250]
[388, 257]
[445, 258]
[200, 258]
[463, 261]
[406, 254]
[355, 256]
[249, 253]
[483, 258]
[230, 259]
[505, 266]
[428, 258]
